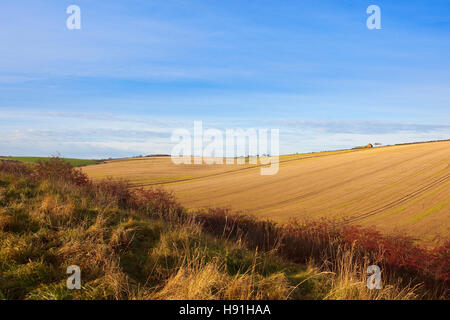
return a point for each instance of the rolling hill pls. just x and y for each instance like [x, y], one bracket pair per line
[401, 189]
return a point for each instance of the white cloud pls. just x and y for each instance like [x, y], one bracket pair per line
[91, 135]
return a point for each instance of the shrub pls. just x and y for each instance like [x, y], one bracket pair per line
[15, 168]
[299, 241]
[57, 169]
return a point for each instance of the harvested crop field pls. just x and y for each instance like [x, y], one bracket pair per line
[402, 188]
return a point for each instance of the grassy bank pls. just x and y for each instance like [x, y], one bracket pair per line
[141, 244]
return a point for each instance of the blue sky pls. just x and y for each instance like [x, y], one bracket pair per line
[139, 69]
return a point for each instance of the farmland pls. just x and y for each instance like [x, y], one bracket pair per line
[398, 189]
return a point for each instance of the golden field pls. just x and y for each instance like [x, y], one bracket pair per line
[404, 188]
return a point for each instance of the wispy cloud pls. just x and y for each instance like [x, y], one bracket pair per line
[361, 127]
[101, 135]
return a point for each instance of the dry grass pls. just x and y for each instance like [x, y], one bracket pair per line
[199, 280]
[349, 280]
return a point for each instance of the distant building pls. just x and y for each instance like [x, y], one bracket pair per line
[364, 147]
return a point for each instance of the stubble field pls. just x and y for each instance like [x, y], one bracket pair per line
[402, 189]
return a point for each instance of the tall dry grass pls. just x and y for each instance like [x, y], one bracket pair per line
[419, 271]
